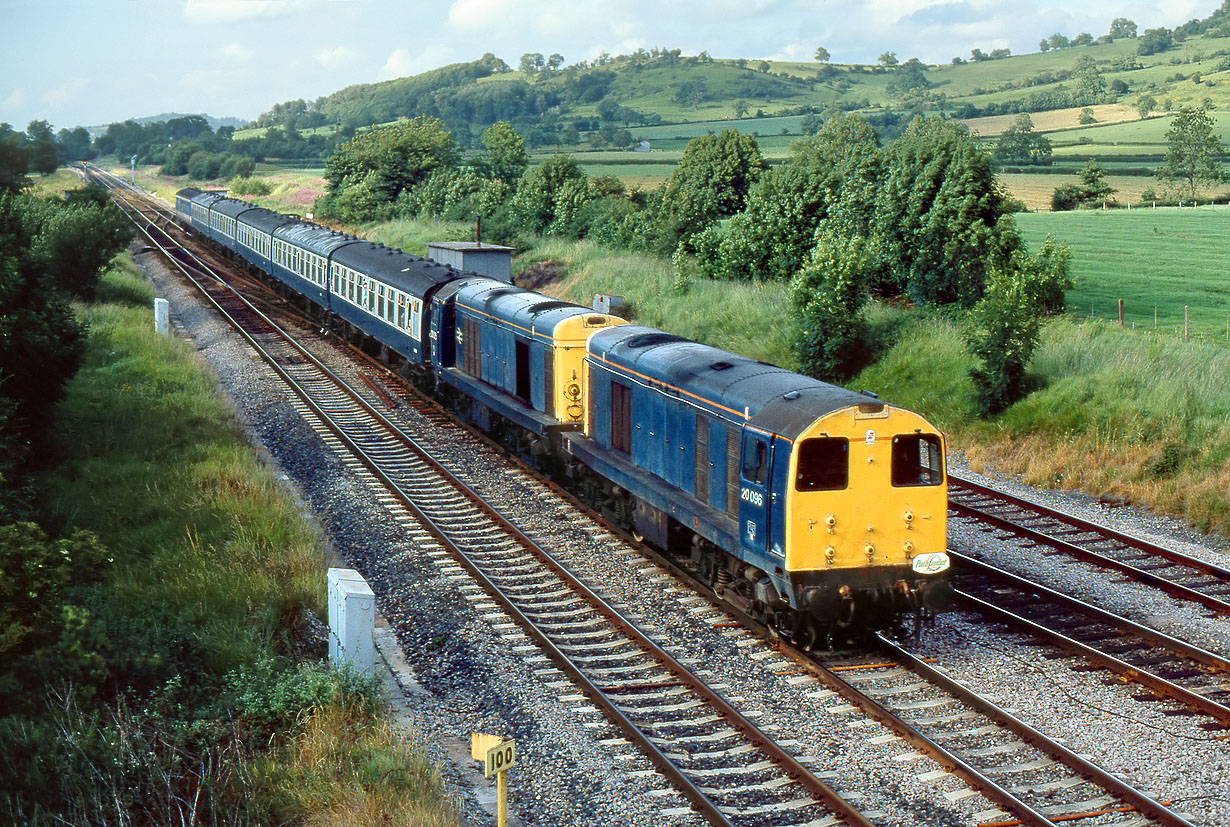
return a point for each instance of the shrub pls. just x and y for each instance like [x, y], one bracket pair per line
[241, 185]
[828, 295]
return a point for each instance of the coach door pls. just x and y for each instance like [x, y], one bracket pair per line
[754, 492]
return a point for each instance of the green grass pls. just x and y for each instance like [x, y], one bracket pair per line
[56, 183]
[213, 566]
[1165, 259]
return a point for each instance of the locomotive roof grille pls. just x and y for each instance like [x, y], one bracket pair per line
[549, 305]
[721, 366]
[651, 339]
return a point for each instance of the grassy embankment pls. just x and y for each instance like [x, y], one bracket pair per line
[213, 568]
[1114, 411]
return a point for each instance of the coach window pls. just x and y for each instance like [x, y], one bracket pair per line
[917, 460]
[755, 458]
[824, 464]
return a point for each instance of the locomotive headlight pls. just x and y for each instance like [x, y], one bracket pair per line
[931, 563]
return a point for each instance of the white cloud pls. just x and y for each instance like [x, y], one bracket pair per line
[480, 14]
[65, 91]
[15, 100]
[234, 11]
[236, 53]
[333, 58]
[403, 63]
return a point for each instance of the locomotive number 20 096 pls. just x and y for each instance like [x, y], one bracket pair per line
[752, 497]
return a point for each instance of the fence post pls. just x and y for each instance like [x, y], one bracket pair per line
[1186, 324]
[1121, 312]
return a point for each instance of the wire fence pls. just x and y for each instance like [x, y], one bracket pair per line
[1183, 329]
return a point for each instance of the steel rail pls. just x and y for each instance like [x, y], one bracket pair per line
[1212, 660]
[1083, 767]
[1176, 589]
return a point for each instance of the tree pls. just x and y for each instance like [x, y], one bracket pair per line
[532, 63]
[1082, 39]
[772, 237]
[1058, 41]
[692, 92]
[822, 54]
[1020, 145]
[41, 151]
[1192, 152]
[555, 61]
[1002, 338]
[550, 195]
[828, 295]
[937, 223]
[909, 77]
[742, 107]
[1086, 116]
[1006, 321]
[395, 157]
[1122, 27]
[506, 157]
[977, 55]
[1145, 104]
[1154, 41]
[74, 144]
[13, 162]
[1090, 85]
[710, 182]
[887, 59]
[1092, 181]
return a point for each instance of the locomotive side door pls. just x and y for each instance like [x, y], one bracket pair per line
[754, 475]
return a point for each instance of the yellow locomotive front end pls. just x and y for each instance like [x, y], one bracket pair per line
[866, 515]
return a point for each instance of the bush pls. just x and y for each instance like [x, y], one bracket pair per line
[237, 166]
[1067, 197]
[46, 636]
[828, 295]
[241, 185]
[1002, 337]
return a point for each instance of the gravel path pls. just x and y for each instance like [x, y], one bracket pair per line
[467, 671]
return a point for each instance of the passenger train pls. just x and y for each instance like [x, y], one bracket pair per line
[816, 509]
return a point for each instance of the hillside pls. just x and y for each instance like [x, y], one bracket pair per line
[664, 95]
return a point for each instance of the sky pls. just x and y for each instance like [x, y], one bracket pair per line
[92, 62]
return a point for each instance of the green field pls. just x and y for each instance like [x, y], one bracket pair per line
[1155, 260]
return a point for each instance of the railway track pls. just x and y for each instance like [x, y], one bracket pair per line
[1180, 575]
[727, 769]
[1168, 668]
[996, 753]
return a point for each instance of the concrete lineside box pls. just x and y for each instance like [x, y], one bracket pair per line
[352, 621]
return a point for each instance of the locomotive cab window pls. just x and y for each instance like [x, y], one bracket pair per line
[755, 459]
[917, 460]
[824, 464]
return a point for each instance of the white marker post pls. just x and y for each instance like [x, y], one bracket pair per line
[162, 317]
[498, 756]
[352, 619]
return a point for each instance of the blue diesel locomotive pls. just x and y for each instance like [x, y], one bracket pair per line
[814, 508]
